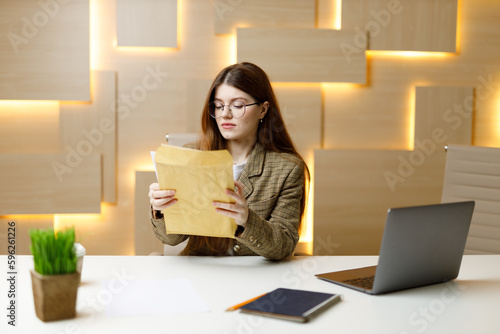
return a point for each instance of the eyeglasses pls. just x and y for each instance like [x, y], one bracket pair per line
[237, 109]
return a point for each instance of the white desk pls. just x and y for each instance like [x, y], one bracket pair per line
[470, 304]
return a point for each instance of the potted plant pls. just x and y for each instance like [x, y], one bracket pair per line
[55, 279]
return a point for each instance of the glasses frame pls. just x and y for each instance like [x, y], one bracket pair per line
[230, 110]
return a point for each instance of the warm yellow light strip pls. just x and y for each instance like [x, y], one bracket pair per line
[459, 26]
[409, 54]
[142, 49]
[180, 23]
[333, 85]
[306, 238]
[295, 84]
[84, 220]
[337, 19]
[27, 217]
[26, 103]
[411, 119]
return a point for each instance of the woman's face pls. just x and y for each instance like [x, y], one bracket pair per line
[242, 129]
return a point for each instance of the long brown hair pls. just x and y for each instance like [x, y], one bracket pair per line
[271, 134]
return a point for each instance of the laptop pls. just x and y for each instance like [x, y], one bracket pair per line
[421, 245]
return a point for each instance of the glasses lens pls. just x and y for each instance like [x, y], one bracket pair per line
[237, 109]
[215, 109]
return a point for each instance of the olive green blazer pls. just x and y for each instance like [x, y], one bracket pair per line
[273, 189]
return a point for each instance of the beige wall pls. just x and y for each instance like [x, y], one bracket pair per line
[356, 133]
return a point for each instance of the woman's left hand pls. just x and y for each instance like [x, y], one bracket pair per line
[237, 210]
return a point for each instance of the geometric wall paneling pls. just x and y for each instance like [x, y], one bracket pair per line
[368, 117]
[440, 110]
[302, 55]
[31, 127]
[91, 128]
[92, 227]
[263, 13]
[23, 224]
[146, 23]
[195, 100]
[145, 240]
[377, 115]
[44, 50]
[153, 109]
[407, 25]
[301, 107]
[328, 14]
[49, 183]
[354, 188]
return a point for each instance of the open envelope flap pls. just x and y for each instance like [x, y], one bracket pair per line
[199, 178]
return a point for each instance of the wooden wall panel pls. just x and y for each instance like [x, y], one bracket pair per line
[23, 224]
[301, 106]
[354, 188]
[50, 183]
[377, 116]
[150, 23]
[404, 25]
[301, 55]
[31, 127]
[195, 100]
[443, 110]
[146, 242]
[327, 13]
[44, 50]
[94, 125]
[231, 14]
[381, 115]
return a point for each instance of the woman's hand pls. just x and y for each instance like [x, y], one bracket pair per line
[161, 199]
[238, 210]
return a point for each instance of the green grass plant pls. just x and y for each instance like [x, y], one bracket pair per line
[53, 254]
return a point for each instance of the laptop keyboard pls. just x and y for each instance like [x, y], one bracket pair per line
[363, 282]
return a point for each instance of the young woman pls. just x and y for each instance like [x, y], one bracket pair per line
[241, 114]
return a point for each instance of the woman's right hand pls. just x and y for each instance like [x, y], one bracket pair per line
[161, 199]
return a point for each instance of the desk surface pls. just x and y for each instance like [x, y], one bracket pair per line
[469, 304]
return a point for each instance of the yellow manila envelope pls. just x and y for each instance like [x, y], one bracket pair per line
[199, 178]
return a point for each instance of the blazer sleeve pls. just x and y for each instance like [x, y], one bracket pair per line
[276, 237]
[159, 230]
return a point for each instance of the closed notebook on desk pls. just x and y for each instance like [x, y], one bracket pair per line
[290, 304]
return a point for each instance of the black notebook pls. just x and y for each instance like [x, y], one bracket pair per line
[290, 304]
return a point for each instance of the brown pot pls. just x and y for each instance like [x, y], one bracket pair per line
[55, 295]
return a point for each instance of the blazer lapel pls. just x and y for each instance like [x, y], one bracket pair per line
[253, 167]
